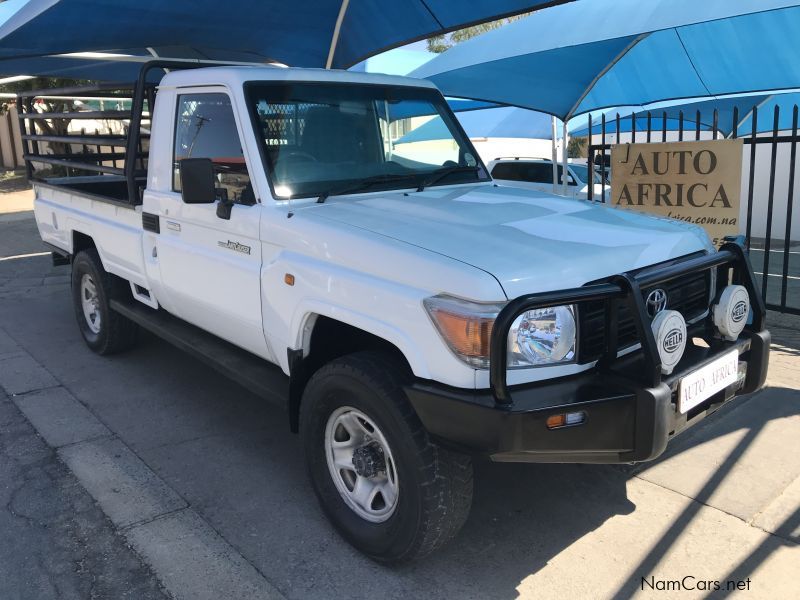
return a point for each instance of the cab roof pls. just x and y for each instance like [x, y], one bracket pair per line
[235, 76]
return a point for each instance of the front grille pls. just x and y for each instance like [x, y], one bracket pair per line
[688, 294]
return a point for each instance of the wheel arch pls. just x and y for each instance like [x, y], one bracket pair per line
[323, 339]
[82, 241]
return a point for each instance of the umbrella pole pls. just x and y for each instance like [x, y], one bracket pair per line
[336, 29]
[554, 139]
[564, 154]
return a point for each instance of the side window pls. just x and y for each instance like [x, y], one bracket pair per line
[540, 172]
[206, 128]
[512, 171]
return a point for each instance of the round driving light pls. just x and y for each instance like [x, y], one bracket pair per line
[669, 329]
[543, 336]
[731, 312]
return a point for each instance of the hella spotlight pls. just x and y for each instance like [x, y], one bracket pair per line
[669, 329]
[731, 312]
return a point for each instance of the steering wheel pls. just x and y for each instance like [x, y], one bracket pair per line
[298, 155]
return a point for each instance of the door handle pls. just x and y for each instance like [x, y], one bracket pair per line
[173, 226]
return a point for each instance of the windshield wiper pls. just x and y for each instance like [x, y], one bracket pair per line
[440, 174]
[361, 184]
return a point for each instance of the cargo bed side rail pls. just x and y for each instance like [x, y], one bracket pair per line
[109, 164]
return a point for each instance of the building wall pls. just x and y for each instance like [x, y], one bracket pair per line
[491, 148]
[780, 193]
[10, 142]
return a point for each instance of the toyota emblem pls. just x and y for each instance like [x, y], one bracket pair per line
[656, 302]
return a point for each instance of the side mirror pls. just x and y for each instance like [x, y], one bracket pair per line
[197, 181]
[570, 180]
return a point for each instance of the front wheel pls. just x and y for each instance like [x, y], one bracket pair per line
[385, 486]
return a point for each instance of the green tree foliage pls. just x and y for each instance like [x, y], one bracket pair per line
[441, 43]
[576, 147]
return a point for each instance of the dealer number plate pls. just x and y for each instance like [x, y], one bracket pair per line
[704, 383]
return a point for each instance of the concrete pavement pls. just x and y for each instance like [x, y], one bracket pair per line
[56, 543]
[233, 499]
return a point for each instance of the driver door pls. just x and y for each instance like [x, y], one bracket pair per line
[210, 266]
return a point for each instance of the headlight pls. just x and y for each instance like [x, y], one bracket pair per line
[542, 337]
[537, 337]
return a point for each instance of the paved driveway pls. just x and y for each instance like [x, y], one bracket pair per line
[723, 504]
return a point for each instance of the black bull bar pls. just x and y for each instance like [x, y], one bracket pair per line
[625, 289]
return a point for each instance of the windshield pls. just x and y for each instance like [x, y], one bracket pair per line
[328, 138]
[582, 171]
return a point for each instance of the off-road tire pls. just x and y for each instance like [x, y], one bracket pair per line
[116, 333]
[435, 492]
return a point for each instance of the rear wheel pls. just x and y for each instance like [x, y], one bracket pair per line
[104, 330]
[385, 486]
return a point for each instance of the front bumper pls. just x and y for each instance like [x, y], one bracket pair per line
[625, 421]
[630, 407]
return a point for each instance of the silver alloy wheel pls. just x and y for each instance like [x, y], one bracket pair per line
[90, 303]
[361, 464]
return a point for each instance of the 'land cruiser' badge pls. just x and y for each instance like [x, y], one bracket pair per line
[235, 246]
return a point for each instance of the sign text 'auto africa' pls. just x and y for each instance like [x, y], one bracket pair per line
[682, 162]
[698, 182]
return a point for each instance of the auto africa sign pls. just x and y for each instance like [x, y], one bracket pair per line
[698, 182]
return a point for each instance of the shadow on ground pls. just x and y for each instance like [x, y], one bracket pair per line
[721, 486]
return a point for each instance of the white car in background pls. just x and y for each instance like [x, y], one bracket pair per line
[537, 174]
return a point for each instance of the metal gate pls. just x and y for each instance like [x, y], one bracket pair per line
[768, 182]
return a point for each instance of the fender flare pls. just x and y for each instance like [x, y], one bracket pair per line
[306, 314]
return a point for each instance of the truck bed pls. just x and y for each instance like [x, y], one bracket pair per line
[64, 213]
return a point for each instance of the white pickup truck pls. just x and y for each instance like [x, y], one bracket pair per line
[408, 312]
